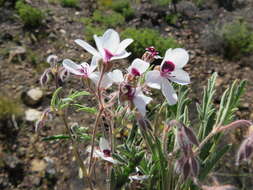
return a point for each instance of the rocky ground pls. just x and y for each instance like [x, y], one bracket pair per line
[27, 162]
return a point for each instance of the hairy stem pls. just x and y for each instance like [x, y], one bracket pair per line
[101, 109]
[93, 138]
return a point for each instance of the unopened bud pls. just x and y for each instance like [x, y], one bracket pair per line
[44, 79]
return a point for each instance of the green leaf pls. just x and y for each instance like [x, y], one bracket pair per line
[78, 94]
[212, 160]
[55, 98]
[85, 109]
[56, 137]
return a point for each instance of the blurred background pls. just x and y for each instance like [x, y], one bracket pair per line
[218, 34]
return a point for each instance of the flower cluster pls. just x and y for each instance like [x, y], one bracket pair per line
[131, 88]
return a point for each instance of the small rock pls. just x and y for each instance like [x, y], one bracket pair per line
[32, 97]
[32, 115]
[50, 169]
[15, 51]
[187, 8]
[63, 31]
[38, 165]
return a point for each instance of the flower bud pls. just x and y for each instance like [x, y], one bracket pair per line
[52, 60]
[44, 79]
[245, 151]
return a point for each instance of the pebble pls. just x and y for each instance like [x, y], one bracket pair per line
[32, 115]
[38, 165]
[32, 97]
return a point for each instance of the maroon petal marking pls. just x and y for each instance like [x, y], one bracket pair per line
[135, 72]
[107, 153]
[108, 55]
[168, 67]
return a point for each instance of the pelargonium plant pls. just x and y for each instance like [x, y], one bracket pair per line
[162, 148]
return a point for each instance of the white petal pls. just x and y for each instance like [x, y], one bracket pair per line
[98, 41]
[169, 92]
[106, 81]
[180, 76]
[88, 47]
[94, 64]
[96, 153]
[123, 55]
[139, 65]
[140, 101]
[110, 40]
[138, 177]
[153, 79]
[109, 159]
[123, 45]
[116, 76]
[178, 56]
[72, 67]
[104, 144]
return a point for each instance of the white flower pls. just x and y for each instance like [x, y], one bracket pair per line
[116, 76]
[84, 69]
[109, 46]
[136, 96]
[170, 70]
[88, 71]
[138, 67]
[104, 151]
[140, 101]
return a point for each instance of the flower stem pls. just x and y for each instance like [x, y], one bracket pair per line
[93, 138]
[101, 109]
[208, 137]
[76, 152]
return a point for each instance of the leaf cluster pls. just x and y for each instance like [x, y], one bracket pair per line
[31, 16]
[238, 39]
[9, 107]
[69, 3]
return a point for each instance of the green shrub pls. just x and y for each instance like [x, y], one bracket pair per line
[32, 17]
[172, 18]
[199, 3]
[69, 3]
[110, 19]
[91, 29]
[9, 107]
[123, 7]
[99, 22]
[238, 39]
[2, 3]
[161, 2]
[144, 38]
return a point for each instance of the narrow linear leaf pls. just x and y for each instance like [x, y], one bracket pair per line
[56, 137]
[55, 97]
[85, 109]
[212, 160]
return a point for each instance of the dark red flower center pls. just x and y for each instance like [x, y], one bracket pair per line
[135, 72]
[168, 67]
[84, 71]
[107, 152]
